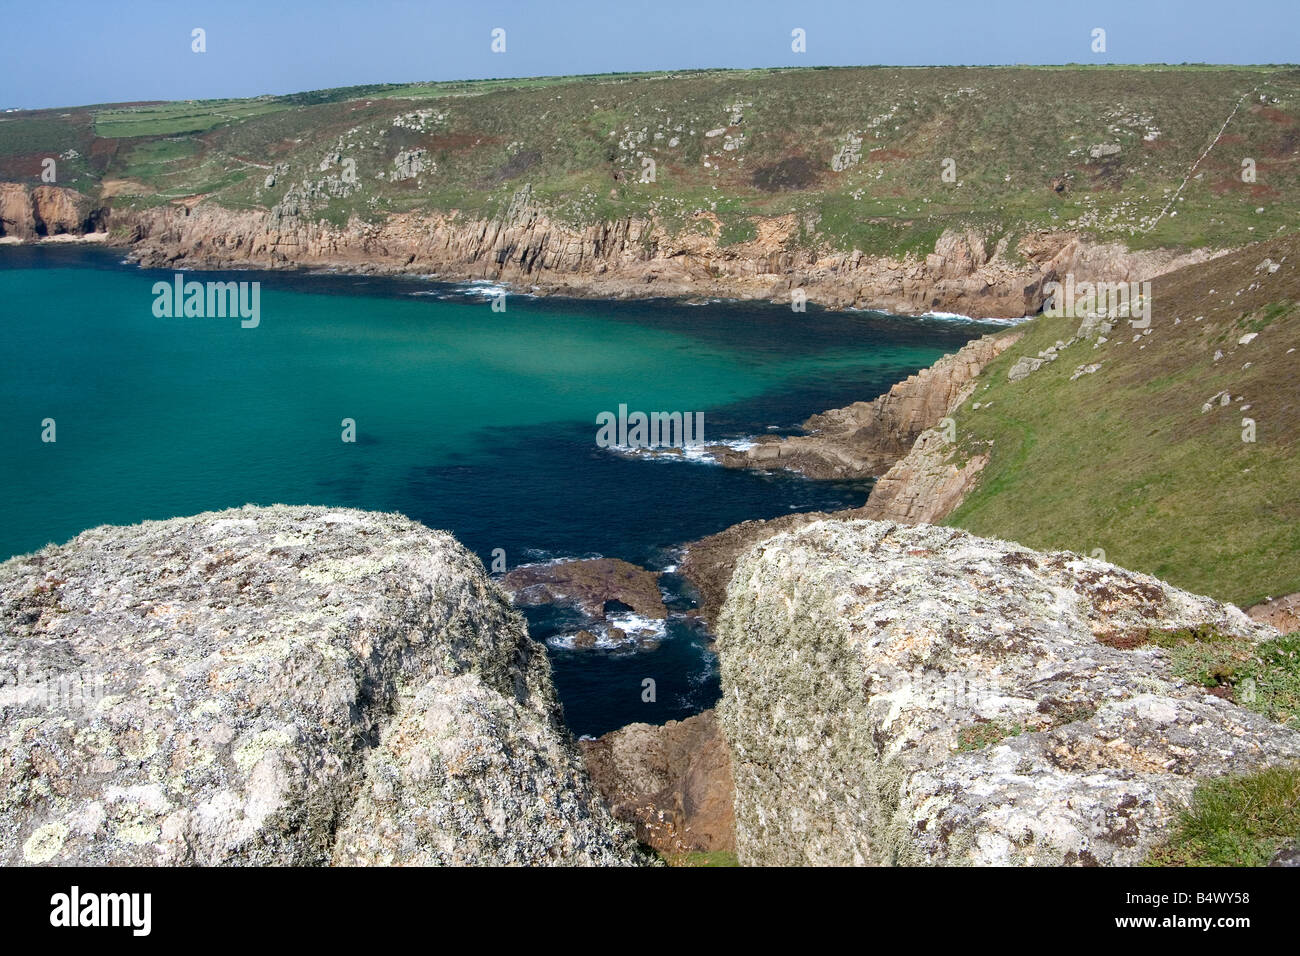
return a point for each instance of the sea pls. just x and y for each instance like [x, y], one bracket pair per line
[476, 419]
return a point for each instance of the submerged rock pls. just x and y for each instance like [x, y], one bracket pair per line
[592, 585]
[898, 694]
[284, 685]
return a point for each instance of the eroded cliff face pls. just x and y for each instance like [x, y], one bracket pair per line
[35, 212]
[898, 694]
[926, 485]
[638, 257]
[527, 247]
[281, 686]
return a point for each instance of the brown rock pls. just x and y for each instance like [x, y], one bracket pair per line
[1283, 613]
[635, 256]
[673, 783]
[16, 211]
[866, 438]
[923, 487]
[42, 211]
[588, 585]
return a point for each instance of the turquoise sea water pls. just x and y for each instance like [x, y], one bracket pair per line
[479, 422]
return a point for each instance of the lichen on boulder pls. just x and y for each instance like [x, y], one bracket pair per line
[897, 694]
[267, 684]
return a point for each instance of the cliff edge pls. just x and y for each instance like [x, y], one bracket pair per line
[284, 685]
[897, 694]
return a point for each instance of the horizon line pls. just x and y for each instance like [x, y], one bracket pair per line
[672, 72]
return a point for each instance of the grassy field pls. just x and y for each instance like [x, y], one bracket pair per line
[858, 154]
[1125, 460]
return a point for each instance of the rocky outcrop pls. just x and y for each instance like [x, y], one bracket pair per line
[926, 485]
[673, 783]
[709, 563]
[618, 603]
[280, 686]
[865, 439]
[589, 585]
[40, 211]
[898, 694]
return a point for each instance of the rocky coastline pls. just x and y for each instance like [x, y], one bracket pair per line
[527, 250]
[313, 686]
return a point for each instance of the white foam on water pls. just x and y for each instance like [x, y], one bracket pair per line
[638, 626]
[958, 317]
[705, 453]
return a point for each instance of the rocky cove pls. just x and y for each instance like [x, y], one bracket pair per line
[326, 686]
[330, 686]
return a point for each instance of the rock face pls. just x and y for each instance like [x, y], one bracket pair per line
[924, 486]
[866, 438]
[43, 211]
[636, 256]
[633, 256]
[280, 686]
[898, 694]
[672, 782]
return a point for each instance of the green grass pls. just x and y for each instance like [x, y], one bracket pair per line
[1235, 821]
[1125, 461]
[169, 119]
[1262, 677]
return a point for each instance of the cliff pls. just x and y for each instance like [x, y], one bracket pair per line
[32, 212]
[898, 694]
[862, 187]
[281, 686]
[1170, 443]
[865, 439]
[636, 256]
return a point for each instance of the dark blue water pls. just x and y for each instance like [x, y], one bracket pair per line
[471, 421]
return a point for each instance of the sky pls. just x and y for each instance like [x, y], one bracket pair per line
[96, 51]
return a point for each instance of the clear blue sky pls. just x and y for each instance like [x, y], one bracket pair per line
[95, 51]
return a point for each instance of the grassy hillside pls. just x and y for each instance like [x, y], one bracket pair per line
[1125, 459]
[857, 154]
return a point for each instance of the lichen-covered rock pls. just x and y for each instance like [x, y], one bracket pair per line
[280, 685]
[468, 775]
[897, 694]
